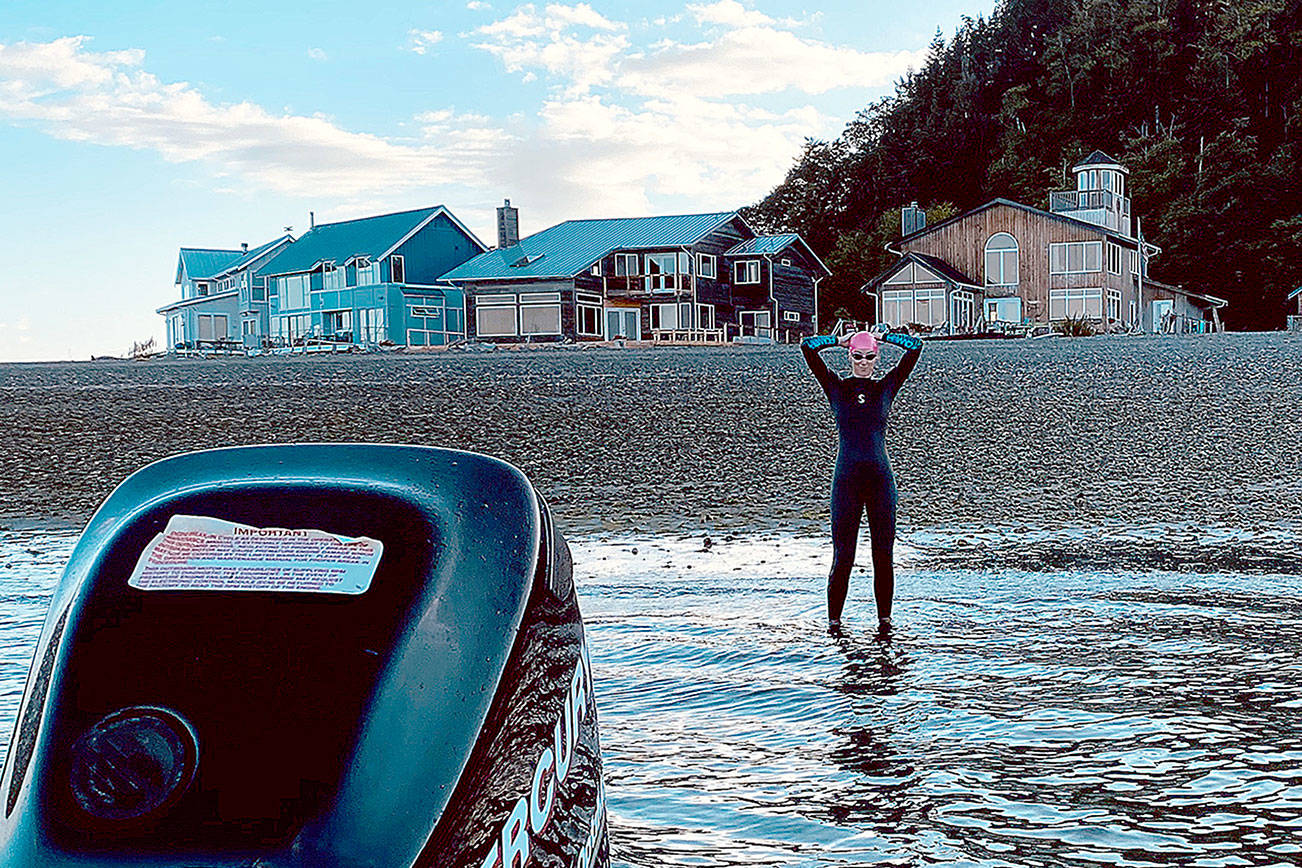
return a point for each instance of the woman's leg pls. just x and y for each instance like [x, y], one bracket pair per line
[847, 507]
[881, 525]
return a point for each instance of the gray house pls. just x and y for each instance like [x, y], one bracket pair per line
[223, 301]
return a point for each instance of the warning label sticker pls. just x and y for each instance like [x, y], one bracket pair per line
[196, 553]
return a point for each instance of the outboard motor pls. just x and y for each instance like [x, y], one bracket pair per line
[311, 655]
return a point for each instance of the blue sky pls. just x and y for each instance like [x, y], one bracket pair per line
[130, 129]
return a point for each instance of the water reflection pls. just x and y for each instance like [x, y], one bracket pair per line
[1012, 717]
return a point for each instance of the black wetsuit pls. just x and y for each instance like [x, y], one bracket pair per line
[863, 480]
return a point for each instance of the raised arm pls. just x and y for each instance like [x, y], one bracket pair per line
[912, 349]
[811, 347]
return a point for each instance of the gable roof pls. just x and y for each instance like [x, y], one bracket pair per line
[942, 268]
[372, 237]
[1062, 218]
[253, 254]
[201, 263]
[568, 248]
[772, 244]
[1096, 158]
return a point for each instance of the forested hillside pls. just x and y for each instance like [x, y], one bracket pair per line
[1200, 99]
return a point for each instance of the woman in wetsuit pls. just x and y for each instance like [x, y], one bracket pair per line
[863, 478]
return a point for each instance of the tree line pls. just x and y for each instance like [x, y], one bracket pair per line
[1200, 99]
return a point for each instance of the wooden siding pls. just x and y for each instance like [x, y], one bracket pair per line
[962, 244]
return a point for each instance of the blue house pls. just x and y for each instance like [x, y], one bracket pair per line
[686, 278]
[223, 303]
[372, 280]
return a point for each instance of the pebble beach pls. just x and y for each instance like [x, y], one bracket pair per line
[1015, 433]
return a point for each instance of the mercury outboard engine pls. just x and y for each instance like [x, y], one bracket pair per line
[311, 655]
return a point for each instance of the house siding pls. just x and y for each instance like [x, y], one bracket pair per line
[436, 249]
[962, 242]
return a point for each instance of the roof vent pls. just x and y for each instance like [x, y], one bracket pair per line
[244, 245]
[527, 259]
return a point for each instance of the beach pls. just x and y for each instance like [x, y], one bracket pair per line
[1034, 433]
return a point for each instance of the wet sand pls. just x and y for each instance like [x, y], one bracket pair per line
[1035, 433]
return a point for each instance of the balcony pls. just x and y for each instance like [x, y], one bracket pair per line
[648, 285]
[1101, 207]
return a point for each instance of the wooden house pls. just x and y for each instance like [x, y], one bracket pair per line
[223, 302]
[373, 280]
[1007, 265]
[688, 278]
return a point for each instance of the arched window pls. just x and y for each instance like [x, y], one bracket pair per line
[1001, 260]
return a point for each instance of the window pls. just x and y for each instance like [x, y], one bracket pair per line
[929, 306]
[375, 324]
[705, 265]
[259, 289]
[790, 316]
[595, 271]
[661, 271]
[1086, 302]
[626, 264]
[540, 313]
[1114, 258]
[684, 263]
[1001, 260]
[338, 323]
[664, 317]
[495, 316]
[746, 271]
[202, 288]
[587, 314]
[294, 289]
[897, 306]
[212, 327]
[1114, 305]
[1134, 261]
[786, 261]
[1076, 257]
[368, 272]
[705, 316]
[331, 276]
[397, 269]
[1004, 310]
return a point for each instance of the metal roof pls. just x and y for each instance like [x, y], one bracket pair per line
[253, 254]
[1294, 294]
[771, 244]
[339, 242]
[202, 263]
[1097, 158]
[568, 248]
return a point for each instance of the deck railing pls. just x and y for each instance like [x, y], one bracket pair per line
[1089, 200]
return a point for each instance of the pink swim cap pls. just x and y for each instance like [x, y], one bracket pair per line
[863, 341]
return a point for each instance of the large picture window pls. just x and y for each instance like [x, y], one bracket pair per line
[1076, 303]
[495, 316]
[1001, 260]
[1076, 257]
[294, 290]
[540, 313]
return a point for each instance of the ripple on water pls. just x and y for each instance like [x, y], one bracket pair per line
[1017, 715]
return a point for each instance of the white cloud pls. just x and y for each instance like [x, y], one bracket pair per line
[624, 126]
[477, 6]
[422, 41]
[317, 54]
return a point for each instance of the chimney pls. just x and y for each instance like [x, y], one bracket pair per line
[912, 219]
[244, 245]
[311, 220]
[508, 225]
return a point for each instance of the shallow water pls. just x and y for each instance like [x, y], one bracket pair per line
[1029, 708]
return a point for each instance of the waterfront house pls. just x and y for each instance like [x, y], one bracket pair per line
[223, 303]
[686, 278]
[1008, 265]
[1295, 316]
[373, 280]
